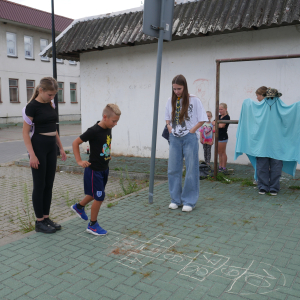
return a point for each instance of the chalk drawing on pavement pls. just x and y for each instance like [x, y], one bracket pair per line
[255, 278]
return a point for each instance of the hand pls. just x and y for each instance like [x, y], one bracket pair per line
[192, 131]
[169, 127]
[83, 163]
[63, 154]
[201, 141]
[34, 162]
[211, 143]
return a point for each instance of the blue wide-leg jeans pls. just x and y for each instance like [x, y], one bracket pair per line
[268, 171]
[184, 147]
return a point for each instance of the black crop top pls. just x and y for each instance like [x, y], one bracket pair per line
[44, 116]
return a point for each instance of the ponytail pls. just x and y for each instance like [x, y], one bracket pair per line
[47, 84]
[224, 106]
[35, 93]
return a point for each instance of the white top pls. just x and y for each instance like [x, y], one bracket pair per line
[196, 114]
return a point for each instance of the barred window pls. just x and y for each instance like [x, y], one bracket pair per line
[28, 44]
[11, 41]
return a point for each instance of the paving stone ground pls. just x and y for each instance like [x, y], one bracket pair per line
[16, 189]
[234, 245]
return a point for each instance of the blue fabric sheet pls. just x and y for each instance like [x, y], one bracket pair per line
[269, 128]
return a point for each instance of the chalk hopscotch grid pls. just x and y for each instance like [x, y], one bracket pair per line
[199, 267]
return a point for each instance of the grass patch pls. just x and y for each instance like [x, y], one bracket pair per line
[27, 222]
[109, 205]
[294, 187]
[223, 178]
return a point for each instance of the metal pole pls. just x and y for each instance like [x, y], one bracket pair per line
[286, 56]
[54, 67]
[156, 101]
[217, 120]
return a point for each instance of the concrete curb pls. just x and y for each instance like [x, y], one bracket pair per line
[118, 174]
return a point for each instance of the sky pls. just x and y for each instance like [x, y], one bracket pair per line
[76, 9]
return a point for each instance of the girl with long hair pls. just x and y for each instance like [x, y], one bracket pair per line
[184, 115]
[41, 146]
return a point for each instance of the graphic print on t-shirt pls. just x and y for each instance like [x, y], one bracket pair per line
[181, 129]
[106, 148]
[207, 132]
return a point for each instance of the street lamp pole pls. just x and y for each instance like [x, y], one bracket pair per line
[54, 67]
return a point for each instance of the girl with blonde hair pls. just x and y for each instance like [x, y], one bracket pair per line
[40, 115]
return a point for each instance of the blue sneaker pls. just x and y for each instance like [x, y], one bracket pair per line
[96, 229]
[80, 212]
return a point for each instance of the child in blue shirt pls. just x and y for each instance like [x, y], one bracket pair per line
[96, 169]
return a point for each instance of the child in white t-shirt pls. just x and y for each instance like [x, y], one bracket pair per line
[207, 137]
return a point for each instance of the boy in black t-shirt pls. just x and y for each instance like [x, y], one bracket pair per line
[96, 169]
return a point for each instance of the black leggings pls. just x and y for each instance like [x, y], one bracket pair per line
[44, 148]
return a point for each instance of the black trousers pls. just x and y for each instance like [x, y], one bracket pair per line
[45, 150]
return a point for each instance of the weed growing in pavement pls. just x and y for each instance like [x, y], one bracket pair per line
[224, 179]
[27, 223]
[294, 187]
[134, 232]
[69, 201]
[131, 187]
[109, 205]
[147, 274]
[114, 195]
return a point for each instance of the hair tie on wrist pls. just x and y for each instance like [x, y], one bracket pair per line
[214, 131]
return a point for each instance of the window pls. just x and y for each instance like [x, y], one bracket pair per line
[13, 90]
[73, 95]
[60, 93]
[43, 44]
[30, 88]
[72, 62]
[28, 43]
[60, 60]
[11, 40]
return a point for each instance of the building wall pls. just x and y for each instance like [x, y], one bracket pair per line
[26, 69]
[126, 76]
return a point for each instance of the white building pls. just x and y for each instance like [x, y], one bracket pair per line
[24, 32]
[118, 63]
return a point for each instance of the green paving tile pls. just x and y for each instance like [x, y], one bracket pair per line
[18, 293]
[39, 290]
[144, 296]
[122, 288]
[162, 295]
[146, 288]
[67, 296]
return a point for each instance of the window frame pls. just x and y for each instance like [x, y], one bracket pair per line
[60, 89]
[75, 92]
[59, 61]
[30, 88]
[17, 86]
[44, 58]
[31, 44]
[15, 44]
[73, 62]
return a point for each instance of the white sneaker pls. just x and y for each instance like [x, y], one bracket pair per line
[187, 208]
[273, 193]
[173, 206]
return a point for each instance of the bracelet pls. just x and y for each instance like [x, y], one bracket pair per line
[214, 131]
